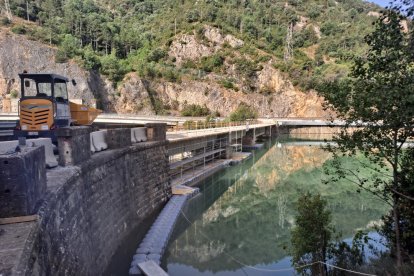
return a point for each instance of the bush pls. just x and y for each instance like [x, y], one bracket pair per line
[243, 113]
[112, 68]
[193, 16]
[19, 29]
[171, 75]
[156, 55]
[195, 110]
[4, 21]
[90, 59]
[227, 84]
[14, 94]
[212, 63]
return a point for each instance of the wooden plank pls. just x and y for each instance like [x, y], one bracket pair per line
[18, 219]
[150, 268]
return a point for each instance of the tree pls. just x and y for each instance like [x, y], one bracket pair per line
[313, 244]
[311, 235]
[378, 98]
[243, 113]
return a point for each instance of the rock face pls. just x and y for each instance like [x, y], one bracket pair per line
[214, 35]
[188, 48]
[18, 54]
[272, 94]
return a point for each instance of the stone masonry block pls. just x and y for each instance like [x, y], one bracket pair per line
[22, 181]
[118, 138]
[74, 145]
[156, 131]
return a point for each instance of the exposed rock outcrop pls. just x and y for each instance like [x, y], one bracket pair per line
[272, 93]
[18, 54]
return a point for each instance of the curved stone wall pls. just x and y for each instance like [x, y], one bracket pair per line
[90, 208]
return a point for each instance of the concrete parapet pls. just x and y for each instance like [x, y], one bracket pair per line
[51, 161]
[156, 131]
[22, 181]
[118, 138]
[8, 147]
[74, 145]
[138, 134]
[99, 140]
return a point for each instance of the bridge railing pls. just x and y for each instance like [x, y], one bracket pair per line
[197, 125]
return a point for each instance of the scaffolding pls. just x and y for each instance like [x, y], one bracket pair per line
[188, 158]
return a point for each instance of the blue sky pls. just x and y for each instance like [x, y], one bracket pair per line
[382, 3]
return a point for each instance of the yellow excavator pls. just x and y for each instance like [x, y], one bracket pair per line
[44, 106]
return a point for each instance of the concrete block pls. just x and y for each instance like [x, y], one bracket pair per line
[119, 138]
[133, 140]
[22, 181]
[51, 161]
[8, 147]
[140, 134]
[156, 131]
[100, 140]
[134, 270]
[74, 145]
[92, 146]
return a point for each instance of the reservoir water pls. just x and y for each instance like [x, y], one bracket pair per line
[240, 223]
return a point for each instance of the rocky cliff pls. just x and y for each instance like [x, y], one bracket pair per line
[270, 92]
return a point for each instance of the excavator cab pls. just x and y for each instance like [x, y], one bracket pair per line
[44, 103]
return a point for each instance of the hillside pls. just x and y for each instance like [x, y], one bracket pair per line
[158, 56]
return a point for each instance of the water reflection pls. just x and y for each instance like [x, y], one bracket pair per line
[244, 214]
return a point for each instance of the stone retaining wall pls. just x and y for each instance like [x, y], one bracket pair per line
[91, 208]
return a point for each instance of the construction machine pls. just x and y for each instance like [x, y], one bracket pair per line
[44, 106]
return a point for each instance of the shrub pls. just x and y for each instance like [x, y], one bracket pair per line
[212, 63]
[4, 21]
[14, 94]
[194, 110]
[227, 84]
[242, 113]
[19, 29]
[156, 55]
[112, 68]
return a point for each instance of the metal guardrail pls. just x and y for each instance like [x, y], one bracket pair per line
[6, 128]
[197, 125]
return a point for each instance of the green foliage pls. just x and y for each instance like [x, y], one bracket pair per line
[139, 32]
[305, 38]
[14, 94]
[243, 113]
[19, 29]
[4, 21]
[156, 55]
[212, 63]
[312, 234]
[90, 59]
[378, 92]
[112, 67]
[195, 110]
[312, 239]
[228, 84]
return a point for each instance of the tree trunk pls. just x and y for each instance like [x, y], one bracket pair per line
[396, 217]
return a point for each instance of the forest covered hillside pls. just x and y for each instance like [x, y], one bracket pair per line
[161, 56]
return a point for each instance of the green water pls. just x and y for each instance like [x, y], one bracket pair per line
[240, 223]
